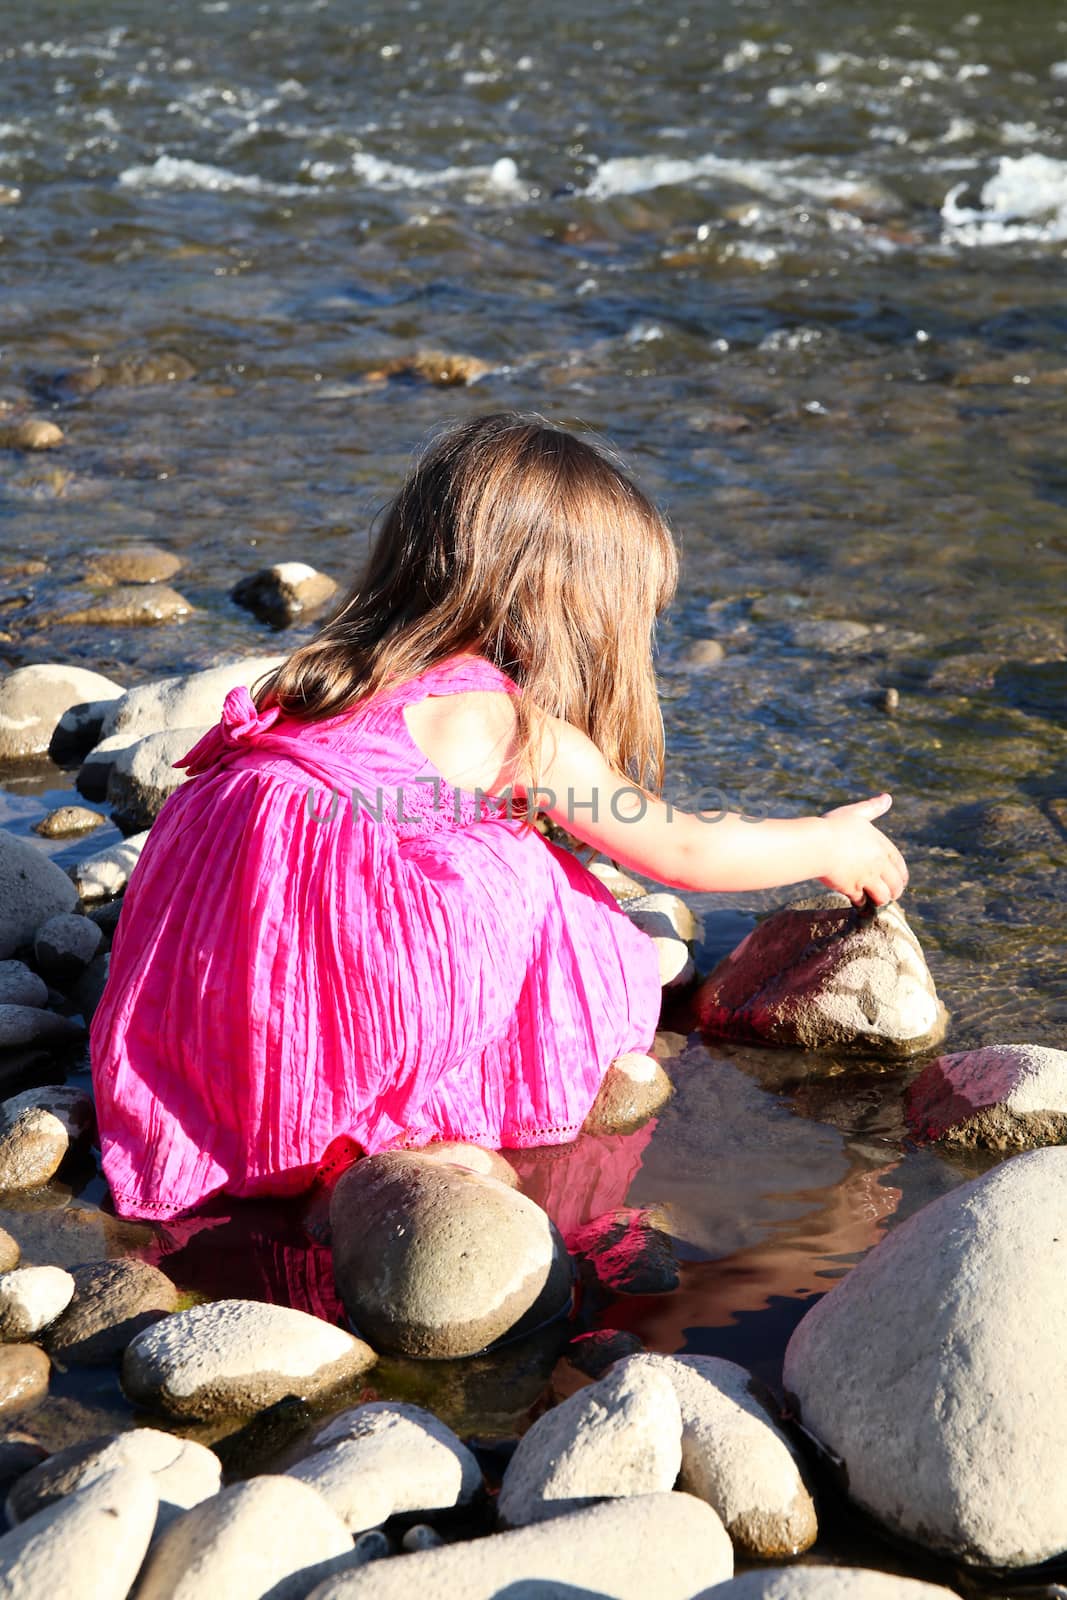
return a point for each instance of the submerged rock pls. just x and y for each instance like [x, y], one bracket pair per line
[635, 1088]
[182, 1472]
[131, 563]
[32, 889]
[644, 1547]
[439, 367]
[736, 1457]
[32, 433]
[66, 822]
[619, 1436]
[33, 700]
[143, 775]
[131, 604]
[934, 1370]
[1004, 1097]
[595, 1352]
[435, 1261]
[193, 700]
[31, 1298]
[284, 592]
[88, 1547]
[819, 973]
[233, 1357]
[24, 1374]
[627, 1251]
[113, 1302]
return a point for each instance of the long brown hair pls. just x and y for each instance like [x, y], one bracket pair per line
[516, 540]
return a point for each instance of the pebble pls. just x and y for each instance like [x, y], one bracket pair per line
[143, 775]
[934, 1369]
[619, 1436]
[1004, 1097]
[182, 1472]
[64, 947]
[820, 973]
[635, 1088]
[34, 699]
[736, 1457]
[37, 1131]
[627, 1251]
[113, 1302]
[107, 872]
[24, 1374]
[233, 1357]
[67, 821]
[824, 1583]
[282, 593]
[32, 889]
[192, 700]
[435, 1261]
[270, 1537]
[888, 700]
[19, 986]
[644, 1547]
[133, 604]
[22, 1025]
[421, 1537]
[31, 1298]
[377, 1460]
[131, 563]
[89, 1546]
[32, 433]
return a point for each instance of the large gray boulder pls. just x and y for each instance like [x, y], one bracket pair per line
[934, 1370]
[193, 700]
[434, 1260]
[32, 889]
[143, 775]
[1005, 1097]
[87, 1547]
[644, 1547]
[818, 974]
[34, 698]
[620, 1436]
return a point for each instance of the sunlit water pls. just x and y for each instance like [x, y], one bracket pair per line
[805, 266]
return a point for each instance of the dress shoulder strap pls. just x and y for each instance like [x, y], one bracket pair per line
[453, 676]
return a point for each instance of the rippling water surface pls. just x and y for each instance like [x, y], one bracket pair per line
[803, 264]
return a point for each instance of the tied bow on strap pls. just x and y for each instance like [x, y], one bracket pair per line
[239, 725]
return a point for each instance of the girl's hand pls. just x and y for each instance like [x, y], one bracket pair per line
[866, 863]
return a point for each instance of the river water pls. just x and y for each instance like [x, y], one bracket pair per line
[804, 265]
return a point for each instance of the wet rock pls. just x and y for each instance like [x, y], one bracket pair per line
[371, 1546]
[32, 433]
[182, 1472]
[269, 1537]
[31, 1025]
[131, 563]
[21, 987]
[31, 1298]
[193, 700]
[38, 1129]
[9, 1251]
[433, 366]
[635, 1088]
[593, 1353]
[24, 1374]
[113, 1302]
[833, 637]
[672, 927]
[421, 1537]
[284, 592]
[643, 1547]
[32, 889]
[620, 1436]
[68, 821]
[34, 698]
[475, 1157]
[107, 872]
[126, 605]
[232, 1357]
[143, 776]
[106, 917]
[19, 1453]
[627, 1251]
[377, 1460]
[129, 372]
[820, 973]
[89, 988]
[88, 1547]
[64, 947]
[888, 700]
[824, 1583]
[736, 1457]
[436, 1261]
[703, 653]
[95, 770]
[1005, 1097]
[620, 884]
[934, 1369]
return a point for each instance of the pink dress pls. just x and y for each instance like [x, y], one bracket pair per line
[323, 944]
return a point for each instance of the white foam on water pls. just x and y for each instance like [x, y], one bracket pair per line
[501, 175]
[777, 180]
[1025, 200]
[175, 172]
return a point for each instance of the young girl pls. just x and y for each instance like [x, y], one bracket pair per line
[344, 930]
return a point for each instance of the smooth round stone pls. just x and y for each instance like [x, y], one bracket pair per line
[618, 883]
[135, 604]
[33, 433]
[64, 947]
[68, 821]
[31, 1298]
[475, 1157]
[34, 698]
[436, 1261]
[183, 1473]
[1004, 1097]
[9, 1251]
[23, 1025]
[131, 563]
[37, 1131]
[24, 1374]
[703, 653]
[107, 872]
[144, 776]
[97, 763]
[635, 1088]
[88, 991]
[32, 889]
[619, 1436]
[672, 927]
[282, 593]
[191, 700]
[89, 1546]
[271, 1536]
[824, 1583]
[233, 1357]
[113, 1302]
[21, 987]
